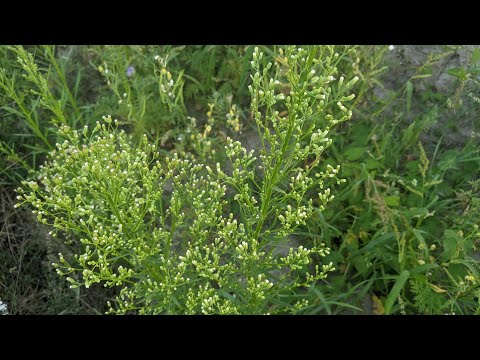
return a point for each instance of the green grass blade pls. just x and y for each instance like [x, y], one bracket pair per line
[392, 297]
[409, 90]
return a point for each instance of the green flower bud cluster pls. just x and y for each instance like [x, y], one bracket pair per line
[208, 244]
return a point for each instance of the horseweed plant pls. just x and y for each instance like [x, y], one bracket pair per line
[178, 236]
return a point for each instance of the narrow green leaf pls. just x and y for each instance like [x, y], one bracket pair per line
[409, 90]
[323, 300]
[277, 189]
[346, 305]
[421, 240]
[376, 242]
[392, 297]
[12, 111]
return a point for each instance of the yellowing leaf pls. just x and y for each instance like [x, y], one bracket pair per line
[282, 60]
[437, 289]
[378, 308]
[351, 238]
[363, 235]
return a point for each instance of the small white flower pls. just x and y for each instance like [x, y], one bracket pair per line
[391, 47]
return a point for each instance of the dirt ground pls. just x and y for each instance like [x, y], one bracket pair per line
[455, 126]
